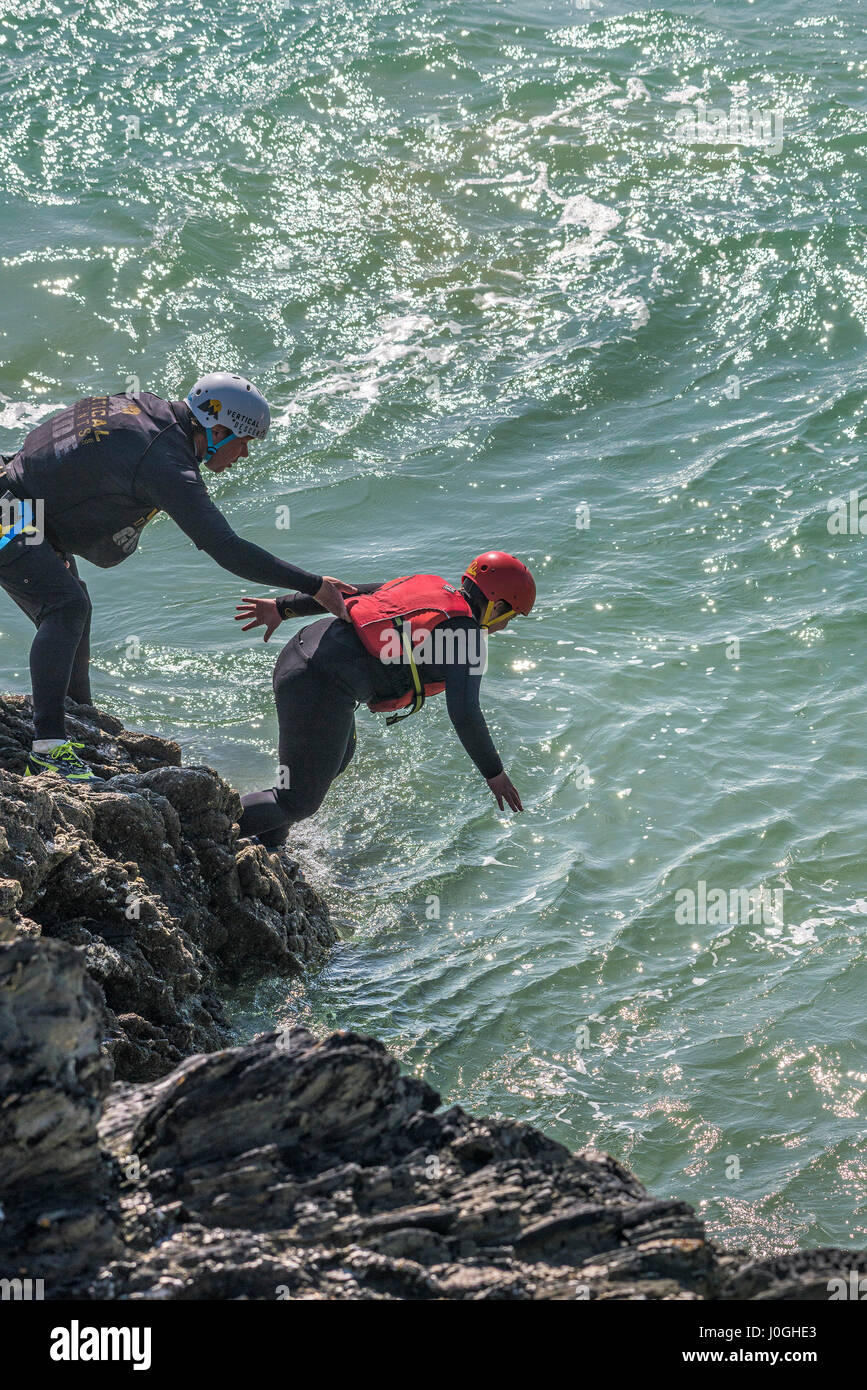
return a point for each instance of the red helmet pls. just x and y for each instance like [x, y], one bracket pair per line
[501, 576]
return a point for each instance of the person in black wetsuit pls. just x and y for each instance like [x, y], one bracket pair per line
[329, 668]
[87, 482]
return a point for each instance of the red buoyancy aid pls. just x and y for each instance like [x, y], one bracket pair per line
[406, 608]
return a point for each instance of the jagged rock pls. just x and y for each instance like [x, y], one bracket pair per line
[110, 748]
[802, 1275]
[54, 1075]
[330, 1173]
[148, 879]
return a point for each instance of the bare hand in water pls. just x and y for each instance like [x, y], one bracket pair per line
[504, 790]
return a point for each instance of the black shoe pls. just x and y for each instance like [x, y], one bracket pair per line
[66, 763]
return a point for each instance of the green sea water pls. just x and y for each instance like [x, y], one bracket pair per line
[500, 296]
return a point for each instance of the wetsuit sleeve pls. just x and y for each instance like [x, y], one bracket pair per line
[174, 485]
[463, 683]
[298, 606]
[303, 606]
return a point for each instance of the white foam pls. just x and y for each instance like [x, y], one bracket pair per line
[16, 414]
[582, 211]
[486, 301]
[390, 346]
[632, 304]
[635, 91]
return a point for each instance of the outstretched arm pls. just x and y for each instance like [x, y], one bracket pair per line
[174, 484]
[300, 605]
[271, 612]
[463, 685]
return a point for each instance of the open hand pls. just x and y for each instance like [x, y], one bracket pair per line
[259, 612]
[504, 790]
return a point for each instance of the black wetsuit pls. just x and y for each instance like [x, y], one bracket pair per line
[320, 677]
[101, 470]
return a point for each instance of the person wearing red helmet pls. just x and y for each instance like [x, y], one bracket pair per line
[507, 585]
[408, 639]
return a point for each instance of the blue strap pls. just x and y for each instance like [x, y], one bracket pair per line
[212, 447]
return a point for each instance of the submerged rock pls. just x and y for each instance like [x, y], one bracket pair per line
[290, 1167]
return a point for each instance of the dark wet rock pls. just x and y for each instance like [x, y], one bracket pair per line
[335, 1169]
[57, 1203]
[146, 877]
[290, 1167]
[802, 1275]
[304, 1169]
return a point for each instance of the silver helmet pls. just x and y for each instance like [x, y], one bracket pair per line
[224, 398]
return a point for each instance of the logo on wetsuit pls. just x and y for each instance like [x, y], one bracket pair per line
[128, 537]
[84, 423]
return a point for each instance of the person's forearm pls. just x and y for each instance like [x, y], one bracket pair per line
[173, 484]
[463, 686]
[477, 741]
[259, 566]
[299, 605]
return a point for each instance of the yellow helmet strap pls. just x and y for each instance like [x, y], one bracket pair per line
[485, 620]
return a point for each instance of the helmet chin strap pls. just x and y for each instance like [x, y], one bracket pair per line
[485, 620]
[212, 447]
